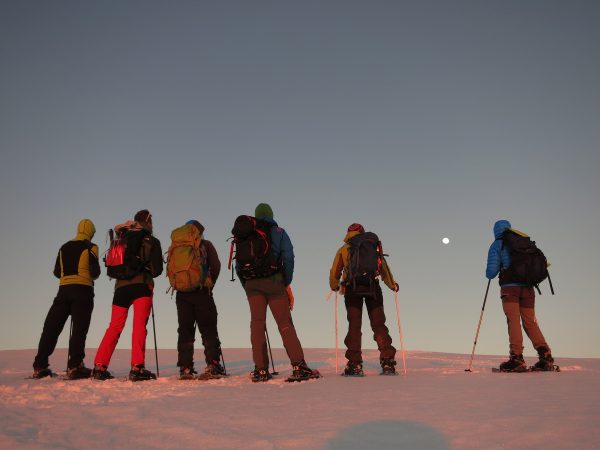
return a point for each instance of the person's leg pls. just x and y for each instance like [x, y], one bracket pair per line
[280, 308]
[186, 330]
[353, 340]
[82, 305]
[258, 320]
[111, 336]
[530, 324]
[381, 334]
[141, 312]
[206, 318]
[53, 326]
[510, 305]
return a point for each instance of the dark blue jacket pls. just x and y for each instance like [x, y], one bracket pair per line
[498, 257]
[283, 250]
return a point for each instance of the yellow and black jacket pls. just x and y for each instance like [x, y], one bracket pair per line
[77, 260]
[341, 263]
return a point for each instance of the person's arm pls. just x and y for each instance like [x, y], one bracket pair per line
[57, 272]
[386, 275]
[287, 257]
[336, 271]
[156, 258]
[93, 263]
[493, 260]
[212, 258]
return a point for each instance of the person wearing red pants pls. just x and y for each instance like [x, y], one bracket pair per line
[136, 291]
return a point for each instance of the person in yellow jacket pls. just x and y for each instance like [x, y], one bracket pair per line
[77, 267]
[357, 289]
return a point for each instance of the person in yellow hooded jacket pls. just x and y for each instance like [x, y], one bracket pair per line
[355, 293]
[77, 267]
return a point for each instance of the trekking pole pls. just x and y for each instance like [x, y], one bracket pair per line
[221, 352]
[155, 347]
[550, 281]
[270, 353]
[400, 332]
[69, 349]
[335, 313]
[468, 369]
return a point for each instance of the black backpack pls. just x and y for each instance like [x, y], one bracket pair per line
[252, 243]
[527, 262]
[366, 258]
[123, 259]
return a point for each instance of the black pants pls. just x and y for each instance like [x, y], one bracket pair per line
[197, 307]
[381, 334]
[73, 300]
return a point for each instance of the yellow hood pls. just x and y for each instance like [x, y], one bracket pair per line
[85, 230]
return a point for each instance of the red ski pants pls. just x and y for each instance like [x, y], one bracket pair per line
[141, 311]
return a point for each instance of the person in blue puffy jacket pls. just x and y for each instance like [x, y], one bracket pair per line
[518, 303]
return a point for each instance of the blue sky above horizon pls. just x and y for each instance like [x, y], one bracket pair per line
[417, 119]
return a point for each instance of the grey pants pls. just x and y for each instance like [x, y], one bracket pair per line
[519, 305]
[263, 292]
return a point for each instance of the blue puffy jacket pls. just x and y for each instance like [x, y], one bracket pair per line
[499, 257]
[283, 250]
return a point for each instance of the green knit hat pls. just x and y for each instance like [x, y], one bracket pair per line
[263, 211]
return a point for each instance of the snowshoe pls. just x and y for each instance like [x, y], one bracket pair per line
[302, 372]
[546, 361]
[140, 373]
[388, 366]
[354, 369]
[100, 373]
[515, 363]
[42, 373]
[187, 373]
[260, 375]
[213, 371]
[78, 373]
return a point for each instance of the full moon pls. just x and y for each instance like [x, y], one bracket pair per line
[446, 240]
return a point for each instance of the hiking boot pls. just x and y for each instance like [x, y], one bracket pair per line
[100, 373]
[354, 369]
[546, 361]
[41, 373]
[260, 375]
[215, 369]
[388, 366]
[187, 373]
[515, 363]
[79, 372]
[140, 373]
[301, 371]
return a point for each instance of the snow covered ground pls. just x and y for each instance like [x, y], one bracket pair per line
[435, 406]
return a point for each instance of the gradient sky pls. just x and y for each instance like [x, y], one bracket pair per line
[417, 119]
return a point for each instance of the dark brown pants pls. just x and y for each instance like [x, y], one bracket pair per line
[263, 292]
[519, 306]
[381, 334]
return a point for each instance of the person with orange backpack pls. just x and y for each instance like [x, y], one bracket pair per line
[134, 259]
[360, 262]
[193, 267]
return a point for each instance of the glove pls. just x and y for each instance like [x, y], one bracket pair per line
[288, 290]
[396, 287]
[342, 290]
[209, 283]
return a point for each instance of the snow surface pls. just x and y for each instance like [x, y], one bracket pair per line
[436, 406]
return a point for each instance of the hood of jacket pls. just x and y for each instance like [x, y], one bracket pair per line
[270, 221]
[85, 230]
[500, 227]
[350, 235]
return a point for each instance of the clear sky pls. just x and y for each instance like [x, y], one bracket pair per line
[419, 120]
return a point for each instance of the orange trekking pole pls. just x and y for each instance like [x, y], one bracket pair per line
[468, 369]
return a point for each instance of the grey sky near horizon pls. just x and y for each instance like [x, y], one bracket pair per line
[419, 120]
